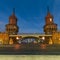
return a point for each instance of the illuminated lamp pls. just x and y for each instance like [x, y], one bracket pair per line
[17, 37]
[43, 38]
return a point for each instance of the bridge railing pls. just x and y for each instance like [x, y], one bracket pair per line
[31, 34]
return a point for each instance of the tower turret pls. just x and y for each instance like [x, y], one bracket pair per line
[49, 27]
[12, 18]
[49, 17]
[11, 27]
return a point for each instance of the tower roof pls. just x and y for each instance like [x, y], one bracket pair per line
[48, 13]
[13, 15]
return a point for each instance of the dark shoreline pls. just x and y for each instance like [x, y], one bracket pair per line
[28, 49]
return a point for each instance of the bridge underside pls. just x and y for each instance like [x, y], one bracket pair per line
[31, 38]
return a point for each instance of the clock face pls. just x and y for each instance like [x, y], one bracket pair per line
[50, 19]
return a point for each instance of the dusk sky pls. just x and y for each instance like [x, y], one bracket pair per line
[30, 14]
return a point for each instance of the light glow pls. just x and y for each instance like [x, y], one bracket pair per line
[43, 38]
[50, 19]
[17, 38]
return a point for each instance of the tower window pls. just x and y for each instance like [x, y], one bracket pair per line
[50, 19]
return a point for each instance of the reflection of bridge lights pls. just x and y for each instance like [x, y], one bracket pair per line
[17, 46]
[43, 46]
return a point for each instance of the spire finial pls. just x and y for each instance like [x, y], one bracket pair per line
[13, 11]
[48, 9]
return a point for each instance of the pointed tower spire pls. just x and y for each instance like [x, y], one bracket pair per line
[50, 27]
[13, 14]
[48, 9]
[48, 12]
[13, 11]
[13, 28]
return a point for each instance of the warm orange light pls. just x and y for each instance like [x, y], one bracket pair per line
[1, 41]
[17, 38]
[17, 46]
[43, 38]
[43, 46]
[50, 19]
[50, 41]
[11, 41]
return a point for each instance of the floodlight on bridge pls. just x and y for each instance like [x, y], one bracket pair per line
[43, 38]
[17, 38]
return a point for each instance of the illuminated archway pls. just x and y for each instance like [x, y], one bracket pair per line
[29, 39]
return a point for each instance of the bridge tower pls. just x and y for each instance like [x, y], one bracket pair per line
[11, 27]
[49, 27]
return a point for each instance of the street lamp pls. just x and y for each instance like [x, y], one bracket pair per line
[17, 38]
[43, 38]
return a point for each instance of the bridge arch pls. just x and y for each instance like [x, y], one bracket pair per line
[29, 39]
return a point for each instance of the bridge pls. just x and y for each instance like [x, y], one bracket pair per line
[31, 37]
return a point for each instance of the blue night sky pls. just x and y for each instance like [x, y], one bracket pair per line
[30, 14]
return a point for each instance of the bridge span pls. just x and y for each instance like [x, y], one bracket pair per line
[31, 35]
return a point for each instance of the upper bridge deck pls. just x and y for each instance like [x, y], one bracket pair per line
[31, 34]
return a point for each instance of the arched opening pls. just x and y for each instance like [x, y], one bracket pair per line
[29, 39]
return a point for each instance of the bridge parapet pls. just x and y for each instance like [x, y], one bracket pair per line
[29, 37]
[30, 34]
